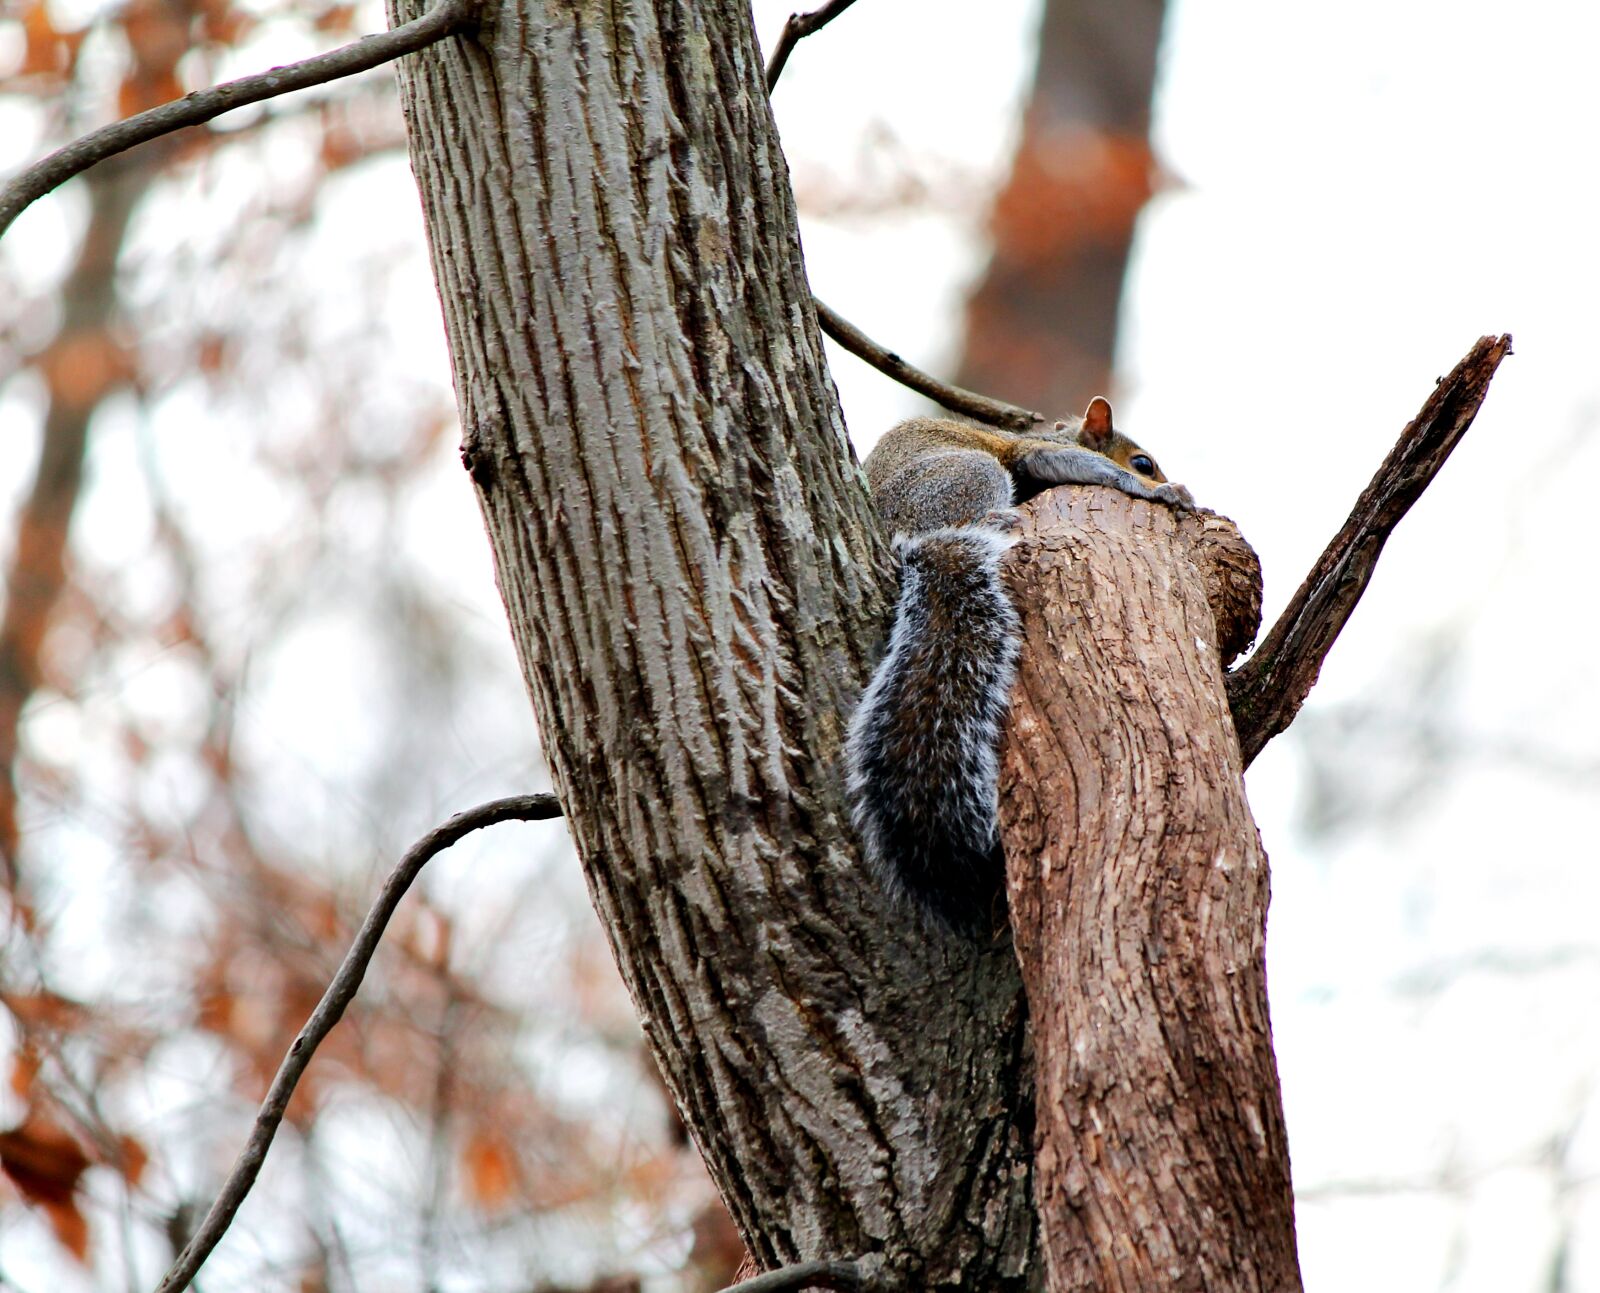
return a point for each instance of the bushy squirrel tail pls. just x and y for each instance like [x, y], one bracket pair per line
[923, 745]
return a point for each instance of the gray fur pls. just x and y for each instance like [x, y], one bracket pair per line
[950, 488]
[1078, 466]
[924, 794]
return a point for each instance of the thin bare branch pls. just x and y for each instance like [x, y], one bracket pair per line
[799, 26]
[981, 407]
[523, 808]
[1266, 692]
[969, 403]
[193, 109]
[843, 1277]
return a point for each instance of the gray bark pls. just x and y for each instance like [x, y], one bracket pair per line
[694, 579]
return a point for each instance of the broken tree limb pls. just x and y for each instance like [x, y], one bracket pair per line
[1267, 691]
[1138, 892]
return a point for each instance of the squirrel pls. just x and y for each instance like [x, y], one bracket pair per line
[922, 752]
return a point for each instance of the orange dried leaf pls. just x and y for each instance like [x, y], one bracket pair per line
[224, 23]
[158, 35]
[216, 1009]
[47, 50]
[490, 1170]
[336, 18]
[44, 1009]
[44, 1162]
[132, 1159]
[82, 366]
[341, 147]
[212, 352]
[24, 1068]
[36, 24]
[141, 91]
[651, 1175]
[72, 1230]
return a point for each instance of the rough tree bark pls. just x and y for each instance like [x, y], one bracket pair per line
[1138, 892]
[694, 581]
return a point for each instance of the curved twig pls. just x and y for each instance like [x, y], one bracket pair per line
[799, 26]
[202, 105]
[954, 398]
[1266, 692]
[525, 808]
[843, 1277]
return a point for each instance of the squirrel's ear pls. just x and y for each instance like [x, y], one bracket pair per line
[1096, 423]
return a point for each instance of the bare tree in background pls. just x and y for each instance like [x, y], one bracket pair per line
[1041, 324]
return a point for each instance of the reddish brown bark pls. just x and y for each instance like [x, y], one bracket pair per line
[1139, 889]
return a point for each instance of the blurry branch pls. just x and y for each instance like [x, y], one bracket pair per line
[1267, 691]
[341, 991]
[193, 109]
[1554, 1157]
[1433, 978]
[446, 17]
[981, 407]
[973, 405]
[799, 26]
[843, 1277]
[36, 572]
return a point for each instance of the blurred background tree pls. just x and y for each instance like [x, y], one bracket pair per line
[250, 643]
[1041, 321]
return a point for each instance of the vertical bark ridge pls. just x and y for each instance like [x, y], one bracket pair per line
[695, 582]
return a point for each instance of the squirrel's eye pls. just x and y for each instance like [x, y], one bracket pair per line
[1142, 464]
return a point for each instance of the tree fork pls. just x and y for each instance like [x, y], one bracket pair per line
[1138, 891]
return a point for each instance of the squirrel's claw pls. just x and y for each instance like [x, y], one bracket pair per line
[1174, 496]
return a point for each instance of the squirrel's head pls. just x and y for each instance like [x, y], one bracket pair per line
[1098, 434]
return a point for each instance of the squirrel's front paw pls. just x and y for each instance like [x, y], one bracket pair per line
[1174, 496]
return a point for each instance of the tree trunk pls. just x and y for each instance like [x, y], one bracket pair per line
[83, 365]
[1138, 892]
[694, 581]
